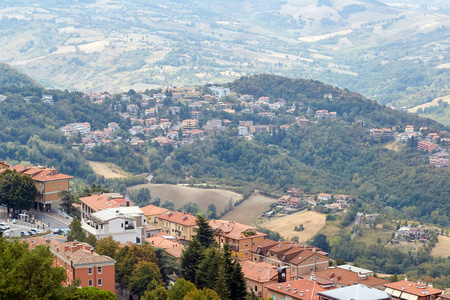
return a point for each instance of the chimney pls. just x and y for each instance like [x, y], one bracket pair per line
[403, 287]
[127, 200]
[268, 274]
[66, 247]
[426, 292]
[301, 293]
[279, 286]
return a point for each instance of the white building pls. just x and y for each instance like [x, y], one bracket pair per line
[124, 224]
[220, 92]
[48, 99]
[243, 130]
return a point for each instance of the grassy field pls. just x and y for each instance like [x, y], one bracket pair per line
[442, 248]
[108, 170]
[312, 221]
[370, 236]
[181, 194]
[249, 210]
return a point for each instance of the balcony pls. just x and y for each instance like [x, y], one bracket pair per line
[129, 227]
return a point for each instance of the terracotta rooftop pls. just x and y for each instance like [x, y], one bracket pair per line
[347, 278]
[258, 271]
[41, 173]
[103, 201]
[75, 252]
[234, 230]
[298, 289]
[180, 218]
[151, 210]
[410, 287]
[167, 242]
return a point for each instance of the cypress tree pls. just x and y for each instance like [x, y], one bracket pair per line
[221, 285]
[208, 268]
[236, 282]
[205, 234]
[192, 255]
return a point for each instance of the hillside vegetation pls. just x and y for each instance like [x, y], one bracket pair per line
[394, 52]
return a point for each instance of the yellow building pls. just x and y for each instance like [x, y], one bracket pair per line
[180, 225]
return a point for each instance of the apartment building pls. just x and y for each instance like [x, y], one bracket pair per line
[180, 225]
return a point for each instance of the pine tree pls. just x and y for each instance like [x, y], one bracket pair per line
[236, 282]
[205, 234]
[207, 270]
[192, 255]
[221, 285]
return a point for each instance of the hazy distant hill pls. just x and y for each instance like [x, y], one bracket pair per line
[395, 53]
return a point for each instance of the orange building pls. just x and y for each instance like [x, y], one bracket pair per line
[97, 202]
[180, 225]
[152, 212]
[259, 275]
[241, 238]
[302, 289]
[49, 183]
[80, 262]
[412, 290]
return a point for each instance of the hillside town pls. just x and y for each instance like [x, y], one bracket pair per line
[272, 269]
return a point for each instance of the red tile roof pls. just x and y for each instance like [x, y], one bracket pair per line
[151, 210]
[298, 289]
[42, 174]
[234, 230]
[102, 201]
[258, 271]
[347, 278]
[415, 288]
[180, 218]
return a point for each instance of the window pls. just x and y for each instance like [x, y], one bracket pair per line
[256, 288]
[311, 269]
[89, 282]
[274, 297]
[99, 270]
[90, 271]
[311, 259]
[121, 225]
[317, 257]
[253, 243]
[246, 244]
[99, 282]
[59, 186]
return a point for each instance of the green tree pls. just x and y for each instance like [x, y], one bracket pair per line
[91, 240]
[143, 197]
[87, 293]
[145, 277]
[180, 289]
[208, 268]
[320, 240]
[67, 199]
[190, 208]
[212, 212]
[76, 232]
[205, 294]
[28, 274]
[190, 258]
[168, 205]
[221, 284]
[167, 264]
[107, 246]
[160, 293]
[205, 233]
[128, 257]
[236, 282]
[17, 191]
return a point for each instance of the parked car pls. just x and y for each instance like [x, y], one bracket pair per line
[4, 226]
[57, 231]
[24, 233]
[35, 231]
[30, 232]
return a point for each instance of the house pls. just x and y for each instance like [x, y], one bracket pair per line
[406, 289]
[132, 108]
[242, 131]
[343, 277]
[295, 192]
[47, 99]
[241, 238]
[196, 115]
[190, 123]
[152, 212]
[80, 262]
[409, 128]
[303, 122]
[269, 115]
[324, 197]
[284, 200]
[220, 92]
[151, 112]
[124, 224]
[168, 242]
[181, 225]
[427, 146]
[354, 292]
[301, 289]
[324, 114]
[246, 123]
[445, 295]
[163, 141]
[213, 125]
[259, 275]
[247, 98]
[4, 165]
[302, 259]
[256, 129]
[49, 183]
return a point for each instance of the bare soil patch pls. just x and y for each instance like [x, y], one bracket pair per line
[108, 170]
[180, 195]
[442, 247]
[250, 210]
[312, 221]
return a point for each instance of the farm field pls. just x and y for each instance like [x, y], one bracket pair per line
[442, 248]
[181, 194]
[249, 210]
[108, 170]
[312, 221]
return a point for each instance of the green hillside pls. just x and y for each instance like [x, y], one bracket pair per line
[11, 79]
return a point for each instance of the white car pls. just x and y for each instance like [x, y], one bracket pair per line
[24, 233]
[4, 226]
[35, 231]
